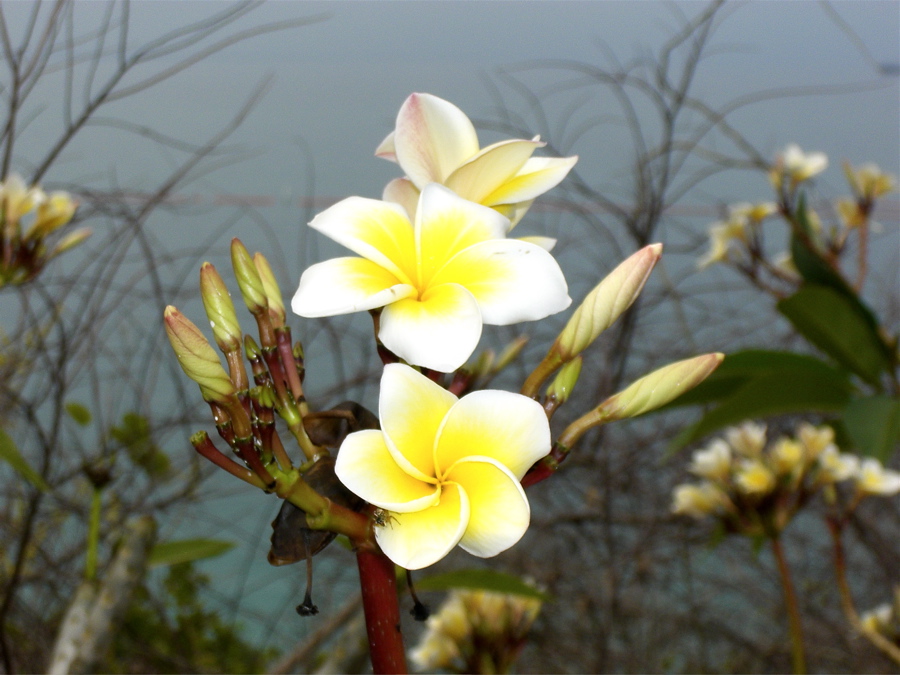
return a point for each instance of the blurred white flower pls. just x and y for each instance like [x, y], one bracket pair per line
[713, 461]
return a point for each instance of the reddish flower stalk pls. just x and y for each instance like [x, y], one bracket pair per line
[382, 611]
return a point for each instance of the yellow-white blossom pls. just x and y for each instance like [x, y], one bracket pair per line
[713, 461]
[753, 213]
[800, 166]
[438, 278]
[698, 500]
[835, 466]
[815, 440]
[448, 470]
[869, 182]
[435, 142]
[753, 477]
[748, 439]
[873, 479]
[723, 237]
[476, 631]
[787, 456]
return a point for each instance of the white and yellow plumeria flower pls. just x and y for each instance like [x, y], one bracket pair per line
[873, 479]
[434, 142]
[447, 470]
[801, 166]
[438, 280]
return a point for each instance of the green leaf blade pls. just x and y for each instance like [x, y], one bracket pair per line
[187, 550]
[9, 452]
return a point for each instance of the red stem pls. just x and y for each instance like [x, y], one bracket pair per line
[382, 610]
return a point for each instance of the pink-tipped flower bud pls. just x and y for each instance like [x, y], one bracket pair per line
[197, 358]
[607, 301]
[219, 309]
[248, 279]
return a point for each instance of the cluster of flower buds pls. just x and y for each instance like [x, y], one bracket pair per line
[245, 415]
[867, 183]
[756, 490]
[28, 217]
[476, 631]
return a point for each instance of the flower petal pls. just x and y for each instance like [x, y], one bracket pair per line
[377, 230]
[546, 243]
[345, 285]
[512, 280]
[509, 428]
[537, 176]
[386, 149]
[499, 513]
[491, 168]
[515, 212]
[402, 191]
[432, 138]
[419, 539]
[447, 224]
[366, 467]
[439, 331]
[411, 408]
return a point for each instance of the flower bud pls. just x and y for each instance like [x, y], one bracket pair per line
[270, 286]
[565, 380]
[17, 199]
[52, 213]
[510, 353]
[659, 387]
[197, 358]
[248, 278]
[71, 240]
[219, 309]
[607, 301]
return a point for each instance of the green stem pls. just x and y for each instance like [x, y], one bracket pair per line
[887, 647]
[93, 540]
[798, 655]
[378, 581]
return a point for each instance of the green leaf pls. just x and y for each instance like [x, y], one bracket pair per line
[135, 437]
[780, 383]
[740, 368]
[79, 413]
[873, 425]
[10, 453]
[484, 579]
[187, 550]
[835, 325]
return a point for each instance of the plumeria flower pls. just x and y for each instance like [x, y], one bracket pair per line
[434, 142]
[748, 439]
[835, 466]
[724, 237]
[873, 479]
[439, 278]
[447, 470]
[798, 166]
[713, 462]
[699, 500]
[754, 478]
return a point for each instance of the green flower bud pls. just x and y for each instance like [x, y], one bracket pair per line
[565, 380]
[510, 353]
[197, 358]
[248, 278]
[607, 301]
[270, 286]
[659, 387]
[219, 309]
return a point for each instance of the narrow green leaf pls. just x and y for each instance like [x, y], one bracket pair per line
[832, 323]
[10, 453]
[487, 580]
[873, 426]
[187, 550]
[79, 413]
